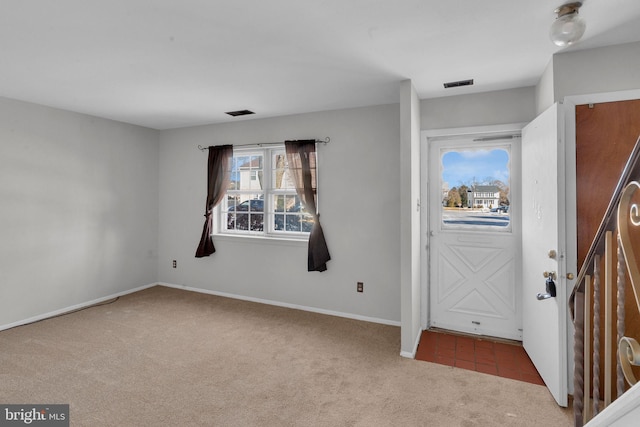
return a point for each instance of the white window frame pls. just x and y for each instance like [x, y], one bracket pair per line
[267, 192]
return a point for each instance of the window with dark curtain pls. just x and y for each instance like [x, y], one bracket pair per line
[218, 177]
[301, 157]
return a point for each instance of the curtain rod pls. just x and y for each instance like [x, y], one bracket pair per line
[318, 141]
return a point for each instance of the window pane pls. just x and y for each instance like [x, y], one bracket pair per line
[289, 215]
[278, 222]
[279, 171]
[293, 223]
[231, 221]
[234, 181]
[281, 175]
[232, 200]
[475, 188]
[240, 210]
[279, 203]
[256, 162]
[292, 204]
[298, 223]
[249, 202]
[242, 221]
[307, 223]
[247, 173]
[257, 222]
[312, 163]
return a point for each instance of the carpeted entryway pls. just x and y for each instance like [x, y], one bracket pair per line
[168, 357]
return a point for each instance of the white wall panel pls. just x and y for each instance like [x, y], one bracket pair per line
[79, 209]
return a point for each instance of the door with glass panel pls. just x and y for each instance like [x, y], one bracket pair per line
[474, 235]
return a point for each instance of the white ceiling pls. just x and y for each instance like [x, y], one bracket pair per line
[174, 63]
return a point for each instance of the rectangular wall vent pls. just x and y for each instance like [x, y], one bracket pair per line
[458, 83]
[239, 113]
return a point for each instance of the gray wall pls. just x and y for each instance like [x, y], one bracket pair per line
[79, 210]
[479, 109]
[544, 89]
[606, 69]
[359, 203]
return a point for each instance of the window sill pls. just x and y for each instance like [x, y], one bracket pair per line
[261, 240]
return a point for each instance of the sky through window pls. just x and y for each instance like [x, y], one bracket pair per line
[479, 166]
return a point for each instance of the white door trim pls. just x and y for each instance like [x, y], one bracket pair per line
[425, 137]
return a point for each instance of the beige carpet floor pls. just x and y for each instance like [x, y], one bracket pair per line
[168, 357]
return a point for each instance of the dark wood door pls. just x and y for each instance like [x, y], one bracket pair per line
[605, 135]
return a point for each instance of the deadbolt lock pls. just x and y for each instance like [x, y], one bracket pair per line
[552, 254]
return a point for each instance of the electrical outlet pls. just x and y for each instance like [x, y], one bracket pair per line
[360, 287]
[175, 263]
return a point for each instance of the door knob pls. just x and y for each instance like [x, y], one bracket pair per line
[548, 274]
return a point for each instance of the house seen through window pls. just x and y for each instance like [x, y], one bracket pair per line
[261, 199]
[475, 186]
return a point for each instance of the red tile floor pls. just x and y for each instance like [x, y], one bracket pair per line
[504, 359]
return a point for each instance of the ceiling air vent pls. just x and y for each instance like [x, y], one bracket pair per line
[239, 113]
[458, 83]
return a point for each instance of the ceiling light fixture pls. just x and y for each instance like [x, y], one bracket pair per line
[568, 26]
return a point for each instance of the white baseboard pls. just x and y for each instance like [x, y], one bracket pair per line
[412, 355]
[203, 291]
[284, 304]
[73, 307]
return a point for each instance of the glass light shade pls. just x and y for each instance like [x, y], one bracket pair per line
[567, 29]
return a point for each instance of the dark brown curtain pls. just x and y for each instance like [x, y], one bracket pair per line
[218, 177]
[301, 156]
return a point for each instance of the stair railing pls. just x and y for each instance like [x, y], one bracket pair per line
[608, 265]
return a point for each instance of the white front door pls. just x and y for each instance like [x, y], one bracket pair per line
[544, 249]
[474, 243]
